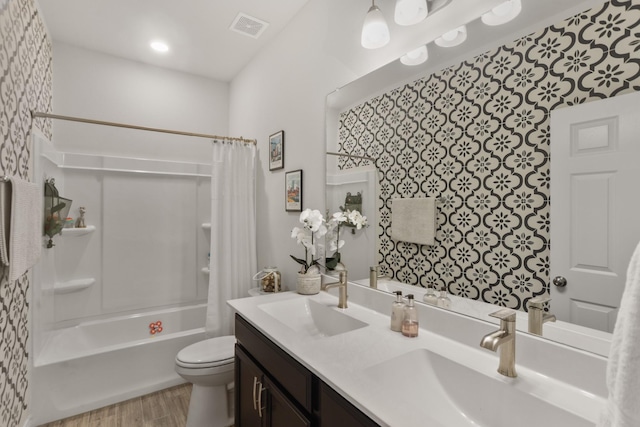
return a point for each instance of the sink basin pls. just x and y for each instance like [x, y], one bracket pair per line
[311, 318]
[462, 396]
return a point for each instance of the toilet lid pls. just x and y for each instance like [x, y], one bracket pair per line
[211, 352]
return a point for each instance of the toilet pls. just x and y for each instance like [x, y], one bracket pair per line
[209, 366]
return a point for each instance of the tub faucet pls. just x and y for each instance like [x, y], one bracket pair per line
[503, 339]
[341, 284]
[537, 316]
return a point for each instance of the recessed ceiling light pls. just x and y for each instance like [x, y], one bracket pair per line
[159, 46]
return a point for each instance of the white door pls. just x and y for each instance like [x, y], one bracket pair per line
[595, 207]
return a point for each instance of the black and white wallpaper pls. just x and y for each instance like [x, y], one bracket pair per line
[476, 136]
[25, 85]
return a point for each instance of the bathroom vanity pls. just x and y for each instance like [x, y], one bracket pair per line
[273, 389]
[302, 361]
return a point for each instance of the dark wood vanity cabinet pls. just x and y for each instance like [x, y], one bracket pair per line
[274, 390]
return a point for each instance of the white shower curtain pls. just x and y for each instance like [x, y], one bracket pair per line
[233, 231]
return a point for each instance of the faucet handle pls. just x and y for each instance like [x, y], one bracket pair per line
[505, 315]
[538, 301]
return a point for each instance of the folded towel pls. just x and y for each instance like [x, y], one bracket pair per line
[623, 367]
[21, 226]
[414, 220]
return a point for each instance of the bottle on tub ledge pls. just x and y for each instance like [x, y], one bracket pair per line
[410, 324]
[80, 221]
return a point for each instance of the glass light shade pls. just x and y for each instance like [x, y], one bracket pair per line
[416, 56]
[375, 31]
[410, 12]
[502, 13]
[452, 38]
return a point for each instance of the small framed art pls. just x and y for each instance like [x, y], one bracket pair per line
[276, 151]
[293, 191]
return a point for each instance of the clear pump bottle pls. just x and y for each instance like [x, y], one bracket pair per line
[443, 300]
[430, 297]
[410, 319]
[397, 312]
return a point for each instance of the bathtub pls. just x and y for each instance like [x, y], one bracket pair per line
[98, 363]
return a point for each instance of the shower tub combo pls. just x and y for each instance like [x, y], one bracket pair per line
[113, 304]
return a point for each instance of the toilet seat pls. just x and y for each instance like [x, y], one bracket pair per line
[211, 353]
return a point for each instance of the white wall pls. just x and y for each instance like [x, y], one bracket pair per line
[284, 88]
[93, 85]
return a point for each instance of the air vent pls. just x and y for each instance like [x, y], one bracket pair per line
[248, 25]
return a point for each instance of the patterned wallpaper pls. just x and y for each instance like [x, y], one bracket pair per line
[476, 136]
[25, 85]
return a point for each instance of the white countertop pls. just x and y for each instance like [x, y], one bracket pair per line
[348, 362]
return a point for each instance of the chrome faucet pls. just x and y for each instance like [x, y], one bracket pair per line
[537, 316]
[505, 340]
[342, 285]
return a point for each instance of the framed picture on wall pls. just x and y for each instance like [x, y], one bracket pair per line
[293, 191]
[276, 151]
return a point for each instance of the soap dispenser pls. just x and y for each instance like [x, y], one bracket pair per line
[430, 297]
[410, 319]
[397, 312]
[443, 300]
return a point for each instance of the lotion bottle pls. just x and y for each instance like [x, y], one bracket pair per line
[443, 300]
[430, 297]
[397, 312]
[410, 319]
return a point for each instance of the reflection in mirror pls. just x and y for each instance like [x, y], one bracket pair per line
[475, 132]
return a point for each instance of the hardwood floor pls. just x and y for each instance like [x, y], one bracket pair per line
[165, 408]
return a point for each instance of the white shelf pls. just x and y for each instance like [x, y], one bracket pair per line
[206, 225]
[206, 270]
[75, 232]
[61, 288]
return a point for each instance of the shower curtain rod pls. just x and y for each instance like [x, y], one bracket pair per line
[35, 114]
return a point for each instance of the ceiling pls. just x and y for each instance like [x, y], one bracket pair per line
[201, 42]
[197, 31]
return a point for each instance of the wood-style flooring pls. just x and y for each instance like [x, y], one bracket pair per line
[165, 408]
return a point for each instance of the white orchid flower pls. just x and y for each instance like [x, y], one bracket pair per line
[339, 217]
[357, 219]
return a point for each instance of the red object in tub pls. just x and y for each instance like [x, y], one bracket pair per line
[155, 327]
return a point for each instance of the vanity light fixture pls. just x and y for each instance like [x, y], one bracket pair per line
[502, 13]
[410, 12]
[453, 37]
[159, 46]
[416, 56]
[375, 31]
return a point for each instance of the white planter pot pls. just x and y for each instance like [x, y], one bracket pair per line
[309, 284]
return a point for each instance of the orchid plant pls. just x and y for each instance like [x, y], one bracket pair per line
[313, 227]
[351, 218]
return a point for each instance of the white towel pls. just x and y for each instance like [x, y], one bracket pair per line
[623, 367]
[20, 221]
[414, 220]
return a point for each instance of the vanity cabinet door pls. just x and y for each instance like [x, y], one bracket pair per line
[335, 411]
[248, 380]
[281, 411]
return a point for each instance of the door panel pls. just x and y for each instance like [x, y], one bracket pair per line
[595, 174]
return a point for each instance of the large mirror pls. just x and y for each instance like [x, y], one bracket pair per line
[474, 128]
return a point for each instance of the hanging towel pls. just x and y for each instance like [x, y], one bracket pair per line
[20, 226]
[414, 220]
[623, 368]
